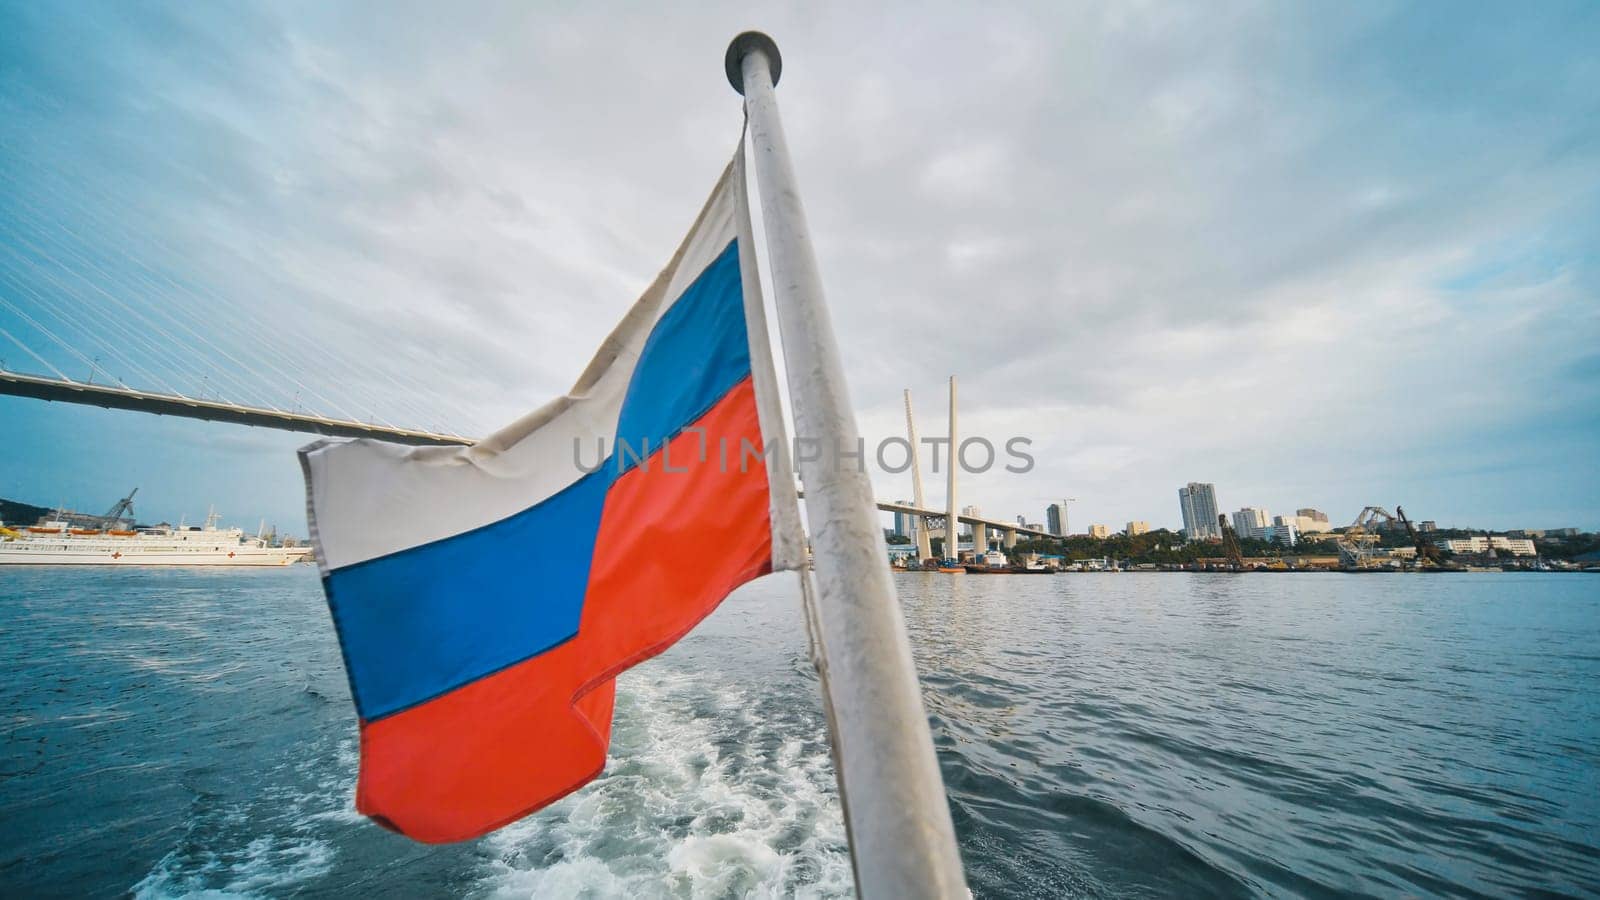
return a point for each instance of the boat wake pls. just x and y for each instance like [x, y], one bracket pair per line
[707, 793]
[223, 853]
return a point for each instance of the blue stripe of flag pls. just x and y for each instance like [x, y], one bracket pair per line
[427, 620]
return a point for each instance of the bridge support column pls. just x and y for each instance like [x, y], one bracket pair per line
[1010, 538]
[980, 540]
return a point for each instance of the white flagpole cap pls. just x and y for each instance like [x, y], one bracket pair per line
[741, 47]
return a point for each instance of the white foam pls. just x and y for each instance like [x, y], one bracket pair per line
[714, 860]
[265, 865]
[210, 863]
[703, 796]
[335, 790]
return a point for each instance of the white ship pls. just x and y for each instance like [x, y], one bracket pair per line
[56, 543]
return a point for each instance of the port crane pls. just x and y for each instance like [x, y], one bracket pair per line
[1427, 551]
[1355, 546]
[122, 509]
[1230, 545]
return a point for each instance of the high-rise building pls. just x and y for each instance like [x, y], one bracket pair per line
[974, 512]
[1282, 531]
[1198, 501]
[1055, 518]
[1099, 531]
[1431, 525]
[905, 523]
[1136, 527]
[1248, 519]
[1312, 514]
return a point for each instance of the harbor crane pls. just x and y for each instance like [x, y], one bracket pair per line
[1427, 551]
[1356, 545]
[123, 509]
[1230, 545]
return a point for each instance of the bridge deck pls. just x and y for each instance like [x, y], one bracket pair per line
[995, 524]
[64, 391]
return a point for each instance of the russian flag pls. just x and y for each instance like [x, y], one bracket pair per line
[486, 597]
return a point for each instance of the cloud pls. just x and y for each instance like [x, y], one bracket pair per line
[1321, 256]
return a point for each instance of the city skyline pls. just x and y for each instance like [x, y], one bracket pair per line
[164, 510]
[1420, 324]
[1247, 522]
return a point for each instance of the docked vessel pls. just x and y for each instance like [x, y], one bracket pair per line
[56, 543]
[995, 563]
[991, 563]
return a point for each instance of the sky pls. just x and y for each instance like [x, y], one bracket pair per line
[1320, 255]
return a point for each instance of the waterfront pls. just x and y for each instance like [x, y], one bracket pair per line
[170, 732]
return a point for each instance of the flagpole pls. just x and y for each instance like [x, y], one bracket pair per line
[902, 840]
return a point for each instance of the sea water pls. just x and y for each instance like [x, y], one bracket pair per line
[171, 732]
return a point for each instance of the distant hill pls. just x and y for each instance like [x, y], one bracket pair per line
[14, 513]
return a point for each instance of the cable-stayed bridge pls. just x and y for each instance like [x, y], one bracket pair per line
[935, 519]
[102, 313]
[99, 305]
[65, 390]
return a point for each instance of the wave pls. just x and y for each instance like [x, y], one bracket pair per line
[708, 792]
